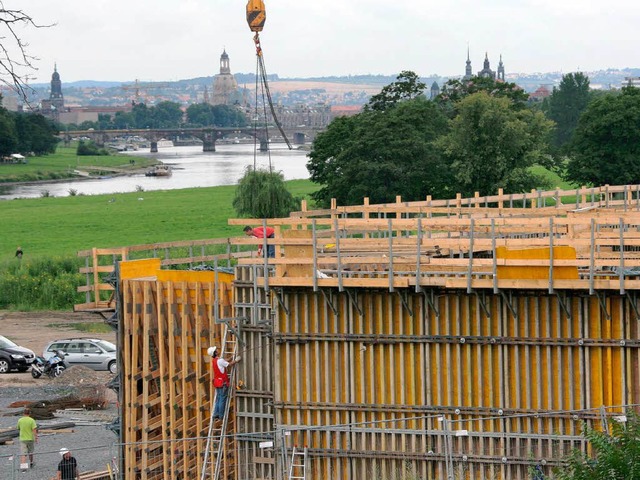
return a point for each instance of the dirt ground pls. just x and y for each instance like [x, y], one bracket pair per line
[34, 330]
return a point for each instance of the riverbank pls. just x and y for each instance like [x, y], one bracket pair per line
[62, 165]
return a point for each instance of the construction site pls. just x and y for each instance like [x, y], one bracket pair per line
[470, 338]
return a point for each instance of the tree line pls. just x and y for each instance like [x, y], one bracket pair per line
[26, 133]
[477, 135]
[168, 115]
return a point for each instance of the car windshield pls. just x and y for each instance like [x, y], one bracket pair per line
[107, 346]
[5, 342]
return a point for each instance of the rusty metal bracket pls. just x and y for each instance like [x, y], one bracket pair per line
[328, 299]
[507, 301]
[564, 303]
[353, 298]
[431, 299]
[483, 303]
[633, 299]
[404, 297]
[280, 298]
[603, 306]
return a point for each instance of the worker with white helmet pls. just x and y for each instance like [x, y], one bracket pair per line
[220, 368]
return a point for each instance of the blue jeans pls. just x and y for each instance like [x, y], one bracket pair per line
[271, 249]
[221, 401]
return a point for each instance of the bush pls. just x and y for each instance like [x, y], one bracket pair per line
[263, 194]
[90, 148]
[41, 284]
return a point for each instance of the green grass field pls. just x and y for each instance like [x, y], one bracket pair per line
[62, 226]
[62, 163]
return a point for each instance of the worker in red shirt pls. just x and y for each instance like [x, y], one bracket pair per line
[261, 232]
[220, 368]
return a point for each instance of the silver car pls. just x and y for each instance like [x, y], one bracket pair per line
[90, 352]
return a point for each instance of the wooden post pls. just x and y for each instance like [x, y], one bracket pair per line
[477, 199]
[500, 200]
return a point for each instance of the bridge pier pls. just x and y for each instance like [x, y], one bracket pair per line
[154, 146]
[264, 145]
[208, 145]
[298, 138]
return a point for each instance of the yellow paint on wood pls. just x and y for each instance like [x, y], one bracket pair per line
[532, 272]
[139, 268]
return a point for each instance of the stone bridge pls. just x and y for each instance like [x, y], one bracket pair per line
[208, 135]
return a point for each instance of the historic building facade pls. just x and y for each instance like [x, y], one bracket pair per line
[225, 87]
[486, 71]
[54, 105]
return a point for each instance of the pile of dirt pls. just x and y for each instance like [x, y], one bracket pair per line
[88, 386]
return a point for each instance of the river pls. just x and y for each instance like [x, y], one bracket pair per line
[191, 168]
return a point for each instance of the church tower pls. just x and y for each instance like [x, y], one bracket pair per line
[56, 98]
[501, 69]
[225, 87]
[467, 72]
[435, 90]
[486, 71]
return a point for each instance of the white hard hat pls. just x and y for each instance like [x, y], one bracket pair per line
[63, 451]
[211, 351]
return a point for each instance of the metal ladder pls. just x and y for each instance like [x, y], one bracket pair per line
[215, 437]
[298, 470]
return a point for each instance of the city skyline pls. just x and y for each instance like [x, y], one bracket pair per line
[174, 40]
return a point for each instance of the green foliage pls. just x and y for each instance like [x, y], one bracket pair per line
[616, 456]
[8, 135]
[40, 284]
[206, 115]
[90, 148]
[380, 154]
[492, 145]
[35, 134]
[263, 194]
[565, 105]
[406, 87]
[455, 90]
[606, 143]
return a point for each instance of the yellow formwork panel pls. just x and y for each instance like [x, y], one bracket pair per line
[533, 272]
[496, 366]
[147, 267]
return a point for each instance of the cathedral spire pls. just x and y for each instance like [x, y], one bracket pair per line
[467, 72]
[501, 69]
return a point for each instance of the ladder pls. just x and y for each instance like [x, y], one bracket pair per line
[298, 470]
[216, 436]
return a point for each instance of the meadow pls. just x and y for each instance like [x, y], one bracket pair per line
[62, 164]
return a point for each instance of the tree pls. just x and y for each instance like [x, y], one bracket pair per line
[406, 87]
[15, 61]
[263, 194]
[606, 143]
[229, 116]
[166, 115]
[8, 136]
[455, 90]
[491, 145]
[35, 133]
[615, 455]
[380, 154]
[200, 114]
[565, 105]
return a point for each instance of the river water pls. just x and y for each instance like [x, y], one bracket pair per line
[191, 168]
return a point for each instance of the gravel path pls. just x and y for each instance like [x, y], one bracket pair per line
[93, 446]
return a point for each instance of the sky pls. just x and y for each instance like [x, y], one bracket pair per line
[168, 40]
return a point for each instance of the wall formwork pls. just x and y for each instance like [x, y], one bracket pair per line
[381, 384]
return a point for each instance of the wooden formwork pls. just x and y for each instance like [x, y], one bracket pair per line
[375, 383]
[168, 322]
[464, 339]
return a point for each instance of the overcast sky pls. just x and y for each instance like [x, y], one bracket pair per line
[166, 40]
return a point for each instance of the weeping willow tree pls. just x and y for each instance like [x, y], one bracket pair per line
[263, 194]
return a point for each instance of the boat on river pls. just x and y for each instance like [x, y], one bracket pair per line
[159, 171]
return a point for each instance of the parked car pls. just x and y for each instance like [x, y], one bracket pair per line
[14, 357]
[90, 352]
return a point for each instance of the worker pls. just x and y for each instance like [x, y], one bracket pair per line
[68, 466]
[28, 438]
[220, 368]
[259, 232]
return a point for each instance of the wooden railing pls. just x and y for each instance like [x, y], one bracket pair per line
[444, 243]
